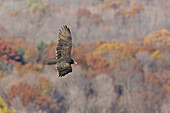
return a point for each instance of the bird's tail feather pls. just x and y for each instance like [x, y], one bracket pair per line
[51, 61]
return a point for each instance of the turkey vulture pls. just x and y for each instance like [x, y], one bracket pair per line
[63, 58]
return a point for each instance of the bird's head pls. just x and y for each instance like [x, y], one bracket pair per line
[73, 61]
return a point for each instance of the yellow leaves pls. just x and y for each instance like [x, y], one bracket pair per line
[148, 39]
[107, 46]
[164, 32]
[45, 85]
[132, 3]
[160, 33]
[157, 54]
[4, 107]
[107, 5]
[36, 5]
[158, 37]
[125, 12]
[126, 52]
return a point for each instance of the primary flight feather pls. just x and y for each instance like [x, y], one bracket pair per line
[63, 58]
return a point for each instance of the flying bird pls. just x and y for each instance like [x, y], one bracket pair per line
[63, 58]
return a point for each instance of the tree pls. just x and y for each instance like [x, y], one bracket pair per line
[31, 54]
[8, 52]
[29, 94]
[4, 107]
[21, 52]
[41, 46]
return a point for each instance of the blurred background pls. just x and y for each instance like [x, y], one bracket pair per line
[122, 48]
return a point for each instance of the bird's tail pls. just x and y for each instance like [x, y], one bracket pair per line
[51, 61]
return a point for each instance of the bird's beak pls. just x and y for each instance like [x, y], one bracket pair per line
[75, 62]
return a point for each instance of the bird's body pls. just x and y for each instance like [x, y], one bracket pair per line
[63, 58]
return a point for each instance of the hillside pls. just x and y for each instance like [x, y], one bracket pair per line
[122, 48]
[110, 77]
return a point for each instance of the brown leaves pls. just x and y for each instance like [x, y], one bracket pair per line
[29, 94]
[96, 62]
[45, 85]
[136, 10]
[31, 54]
[7, 52]
[83, 12]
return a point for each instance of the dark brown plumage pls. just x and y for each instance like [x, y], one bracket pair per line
[63, 58]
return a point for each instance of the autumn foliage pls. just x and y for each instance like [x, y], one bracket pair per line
[45, 85]
[31, 54]
[29, 94]
[7, 52]
[142, 63]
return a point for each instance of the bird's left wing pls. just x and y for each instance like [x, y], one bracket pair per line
[64, 43]
[63, 68]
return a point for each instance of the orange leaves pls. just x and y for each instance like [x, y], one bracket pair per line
[135, 10]
[15, 43]
[26, 93]
[14, 13]
[7, 52]
[21, 69]
[92, 63]
[119, 56]
[79, 54]
[29, 94]
[96, 62]
[167, 87]
[96, 65]
[83, 12]
[153, 78]
[130, 13]
[49, 51]
[88, 15]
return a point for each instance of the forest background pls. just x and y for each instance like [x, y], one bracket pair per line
[122, 48]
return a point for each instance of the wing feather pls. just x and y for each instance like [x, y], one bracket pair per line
[63, 68]
[63, 51]
[64, 43]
